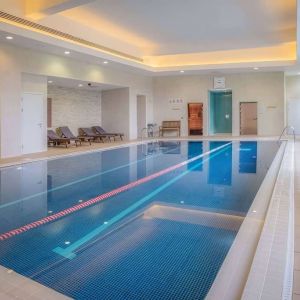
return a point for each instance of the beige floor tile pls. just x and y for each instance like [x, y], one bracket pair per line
[58, 151]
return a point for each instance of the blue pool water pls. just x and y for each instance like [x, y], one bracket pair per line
[159, 239]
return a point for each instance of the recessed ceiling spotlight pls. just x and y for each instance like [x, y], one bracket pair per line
[9, 37]
[50, 81]
[105, 62]
[181, 71]
[80, 85]
[67, 52]
[256, 68]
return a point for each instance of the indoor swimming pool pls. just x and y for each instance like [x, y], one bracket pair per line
[148, 221]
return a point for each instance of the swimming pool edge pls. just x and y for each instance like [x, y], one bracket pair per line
[241, 265]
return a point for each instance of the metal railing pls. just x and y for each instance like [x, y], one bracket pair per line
[143, 130]
[285, 129]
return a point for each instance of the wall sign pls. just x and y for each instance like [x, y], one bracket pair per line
[176, 101]
[219, 83]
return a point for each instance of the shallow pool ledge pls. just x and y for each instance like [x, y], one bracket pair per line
[15, 286]
[271, 273]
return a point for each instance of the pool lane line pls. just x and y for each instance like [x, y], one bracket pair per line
[68, 252]
[81, 180]
[63, 213]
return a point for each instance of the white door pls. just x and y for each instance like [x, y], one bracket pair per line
[32, 123]
[293, 115]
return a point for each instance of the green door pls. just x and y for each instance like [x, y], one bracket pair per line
[220, 112]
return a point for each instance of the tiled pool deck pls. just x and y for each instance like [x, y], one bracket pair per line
[296, 286]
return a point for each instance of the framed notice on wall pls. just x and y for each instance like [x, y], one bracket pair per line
[219, 83]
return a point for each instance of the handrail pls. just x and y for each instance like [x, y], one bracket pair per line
[284, 130]
[142, 132]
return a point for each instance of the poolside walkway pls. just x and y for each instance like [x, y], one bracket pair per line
[296, 286]
[60, 151]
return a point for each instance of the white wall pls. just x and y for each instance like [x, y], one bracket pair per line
[74, 108]
[15, 61]
[116, 111]
[265, 88]
[292, 85]
[10, 105]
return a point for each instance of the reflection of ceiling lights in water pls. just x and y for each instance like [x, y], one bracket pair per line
[67, 243]
[182, 202]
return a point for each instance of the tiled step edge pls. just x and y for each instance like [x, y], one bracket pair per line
[16, 286]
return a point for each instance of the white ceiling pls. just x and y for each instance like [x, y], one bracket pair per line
[157, 30]
[177, 26]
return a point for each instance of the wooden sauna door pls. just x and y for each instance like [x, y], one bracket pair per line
[195, 118]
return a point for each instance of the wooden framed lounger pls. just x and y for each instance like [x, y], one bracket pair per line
[88, 132]
[100, 130]
[55, 140]
[64, 131]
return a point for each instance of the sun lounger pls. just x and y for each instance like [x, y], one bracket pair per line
[88, 132]
[65, 131]
[55, 140]
[100, 130]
